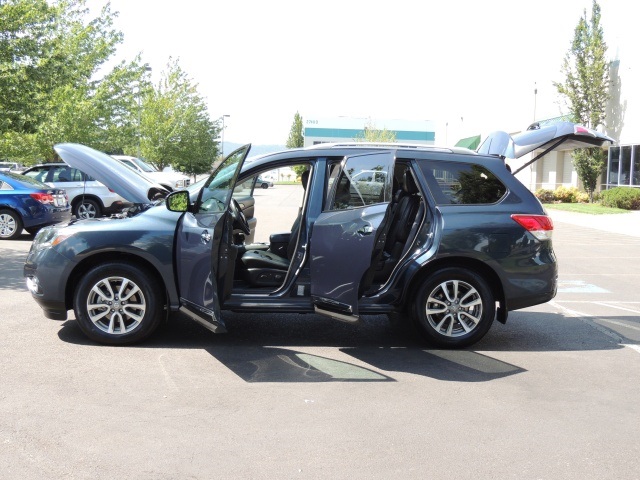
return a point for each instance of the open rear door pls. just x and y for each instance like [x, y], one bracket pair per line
[559, 136]
[347, 234]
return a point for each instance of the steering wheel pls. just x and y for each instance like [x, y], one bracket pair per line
[239, 220]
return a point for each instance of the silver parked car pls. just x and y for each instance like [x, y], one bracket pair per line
[88, 197]
[169, 180]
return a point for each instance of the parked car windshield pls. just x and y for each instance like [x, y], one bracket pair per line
[144, 165]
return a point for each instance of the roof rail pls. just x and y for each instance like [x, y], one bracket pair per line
[416, 146]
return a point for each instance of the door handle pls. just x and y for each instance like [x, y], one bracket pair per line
[365, 230]
[205, 237]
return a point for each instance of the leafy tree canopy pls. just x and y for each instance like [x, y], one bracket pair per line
[296, 137]
[175, 125]
[374, 135]
[586, 91]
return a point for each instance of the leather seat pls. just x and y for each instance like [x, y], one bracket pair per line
[266, 268]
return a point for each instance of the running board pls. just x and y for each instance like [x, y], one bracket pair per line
[336, 310]
[203, 316]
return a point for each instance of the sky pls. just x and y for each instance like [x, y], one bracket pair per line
[469, 66]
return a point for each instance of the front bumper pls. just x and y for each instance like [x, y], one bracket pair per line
[46, 274]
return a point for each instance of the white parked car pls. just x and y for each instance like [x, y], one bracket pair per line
[9, 167]
[88, 197]
[171, 180]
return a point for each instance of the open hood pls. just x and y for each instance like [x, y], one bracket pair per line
[125, 182]
[560, 136]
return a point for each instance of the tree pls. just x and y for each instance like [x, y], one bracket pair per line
[50, 88]
[374, 135]
[296, 137]
[175, 125]
[586, 91]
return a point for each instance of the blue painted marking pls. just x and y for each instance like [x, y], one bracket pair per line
[579, 286]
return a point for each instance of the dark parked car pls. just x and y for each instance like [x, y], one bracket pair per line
[263, 183]
[28, 204]
[447, 239]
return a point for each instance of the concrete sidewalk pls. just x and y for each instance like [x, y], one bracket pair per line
[624, 223]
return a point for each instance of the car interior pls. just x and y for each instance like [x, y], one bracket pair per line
[264, 265]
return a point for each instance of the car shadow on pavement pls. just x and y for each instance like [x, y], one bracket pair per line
[11, 276]
[272, 347]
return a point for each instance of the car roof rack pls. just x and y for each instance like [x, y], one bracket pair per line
[387, 145]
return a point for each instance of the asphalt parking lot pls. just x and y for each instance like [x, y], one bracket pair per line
[552, 394]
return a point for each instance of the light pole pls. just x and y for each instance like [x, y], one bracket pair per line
[222, 137]
[147, 68]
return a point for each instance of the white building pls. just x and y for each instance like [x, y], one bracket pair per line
[349, 129]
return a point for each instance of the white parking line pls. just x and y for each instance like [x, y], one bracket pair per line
[584, 317]
[608, 304]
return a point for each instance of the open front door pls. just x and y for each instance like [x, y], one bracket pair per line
[350, 232]
[204, 251]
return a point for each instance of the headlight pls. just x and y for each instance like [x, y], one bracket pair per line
[182, 183]
[49, 237]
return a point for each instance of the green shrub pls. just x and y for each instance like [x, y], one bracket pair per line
[544, 195]
[622, 197]
[583, 197]
[566, 194]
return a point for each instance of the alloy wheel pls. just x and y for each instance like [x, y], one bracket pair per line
[116, 305]
[454, 308]
[7, 225]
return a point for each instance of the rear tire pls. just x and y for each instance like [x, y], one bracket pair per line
[10, 225]
[118, 303]
[454, 308]
[87, 208]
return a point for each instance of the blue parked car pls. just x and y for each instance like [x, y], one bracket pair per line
[28, 204]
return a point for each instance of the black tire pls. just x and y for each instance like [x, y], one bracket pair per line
[265, 185]
[10, 225]
[121, 323]
[454, 308]
[32, 230]
[87, 208]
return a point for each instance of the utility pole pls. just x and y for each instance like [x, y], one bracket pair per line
[535, 99]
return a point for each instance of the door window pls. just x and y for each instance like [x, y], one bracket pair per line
[217, 190]
[362, 180]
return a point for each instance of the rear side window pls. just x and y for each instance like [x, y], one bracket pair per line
[462, 183]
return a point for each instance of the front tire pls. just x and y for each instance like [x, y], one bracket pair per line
[118, 304]
[10, 225]
[454, 308]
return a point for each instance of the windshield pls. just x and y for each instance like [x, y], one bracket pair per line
[144, 166]
[217, 190]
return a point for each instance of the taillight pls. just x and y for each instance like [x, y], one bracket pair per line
[580, 130]
[42, 197]
[540, 226]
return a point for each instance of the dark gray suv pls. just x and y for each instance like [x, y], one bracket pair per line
[447, 239]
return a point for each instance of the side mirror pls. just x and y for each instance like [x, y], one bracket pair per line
[178, 201]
